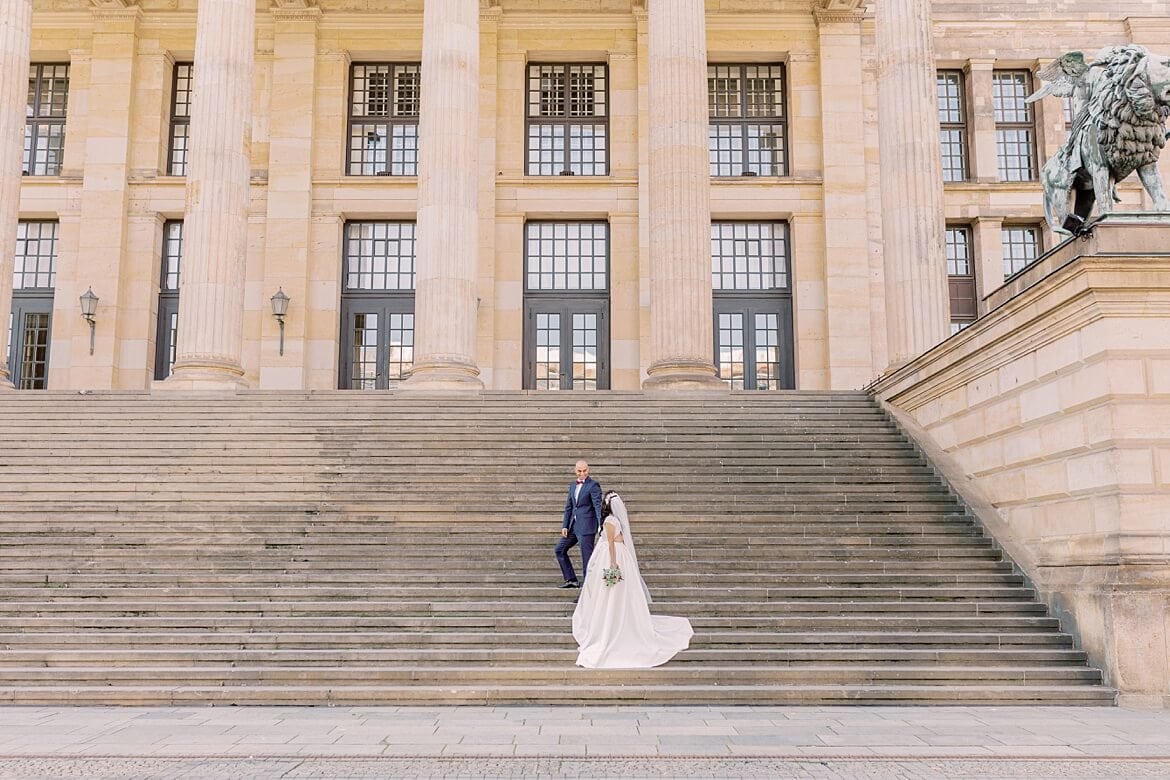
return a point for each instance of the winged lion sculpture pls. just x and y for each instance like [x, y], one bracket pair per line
[1120, 104]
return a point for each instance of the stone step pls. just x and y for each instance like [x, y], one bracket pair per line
[316, 547]
[564, 656]
[534, 675]
[823, 634]
[437, 695]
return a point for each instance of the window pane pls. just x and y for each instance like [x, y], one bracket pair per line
[35, 263]
[383, 122]
[567, 255]
[747, 134]
[731, 357]
[379, 255]
[1021, 245]
[1014, 131]
[172, 255]
[180, 118]
[749, 256]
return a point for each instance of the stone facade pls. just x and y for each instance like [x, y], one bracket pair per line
[113, 192]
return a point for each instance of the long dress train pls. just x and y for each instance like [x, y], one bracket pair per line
[612, 624]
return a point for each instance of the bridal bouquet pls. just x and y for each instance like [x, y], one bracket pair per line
[612, 576]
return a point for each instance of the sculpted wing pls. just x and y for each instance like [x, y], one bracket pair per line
[1061, 77]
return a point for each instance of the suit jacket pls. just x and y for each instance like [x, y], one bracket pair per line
[583, 516]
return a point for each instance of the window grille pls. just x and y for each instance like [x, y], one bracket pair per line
[1015, 130]
[181, 90]
[567, 256]
[1021, 245]
[35, 265]
[748, 130]
[749, 256]
[568, 120]
[383, 119]
[379, 255]
[952, 117]
[44, 129]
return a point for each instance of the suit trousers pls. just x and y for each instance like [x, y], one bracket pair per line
[562, 549]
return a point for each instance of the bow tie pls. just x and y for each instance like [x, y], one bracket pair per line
[580, 482]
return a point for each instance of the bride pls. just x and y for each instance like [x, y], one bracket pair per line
[612, 623]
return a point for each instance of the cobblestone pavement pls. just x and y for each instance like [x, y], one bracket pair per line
[627, 742]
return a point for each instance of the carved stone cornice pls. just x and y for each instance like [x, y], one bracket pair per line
[839, 11]
[295, 10]
[115, 10]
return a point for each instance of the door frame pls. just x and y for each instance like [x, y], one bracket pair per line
[383, 305]
[566, 305]
[749, 304]
[28, 302]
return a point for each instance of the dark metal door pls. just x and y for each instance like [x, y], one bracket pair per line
[753, 342]
[566, 343]
[377, 341]
[28, 357]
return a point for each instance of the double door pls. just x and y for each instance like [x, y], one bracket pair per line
[753, 342]
[28, 345]
[377, 341]
[566, 343]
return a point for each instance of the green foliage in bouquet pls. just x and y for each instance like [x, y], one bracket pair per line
[612, 576]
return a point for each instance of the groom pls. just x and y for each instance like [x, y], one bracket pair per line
[582, 518]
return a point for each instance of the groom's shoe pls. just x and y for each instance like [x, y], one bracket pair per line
[569, 584]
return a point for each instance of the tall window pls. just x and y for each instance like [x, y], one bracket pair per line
[961, 277]
[566, 306]
[180, 119]
[952, 118]
[568, 120]
[383, 120]
[753, 305]
[1015, 131]
[34, 277]
[44, 129]
[377, 304]
[748, 130]
[166, 340]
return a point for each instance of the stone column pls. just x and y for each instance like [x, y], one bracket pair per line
[215, 230]
[680, 200]
[445, 300]
[911, 174]
[15, 43]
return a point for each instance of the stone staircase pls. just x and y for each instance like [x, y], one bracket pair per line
[348, 548]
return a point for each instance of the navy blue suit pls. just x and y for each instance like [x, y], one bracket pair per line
[582, 519]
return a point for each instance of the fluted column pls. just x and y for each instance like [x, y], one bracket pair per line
[911, 180]
[215, 230]
[680, 199]
[15, 42]
[448, 218]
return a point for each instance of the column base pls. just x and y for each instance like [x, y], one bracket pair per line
[6, 381]
[445, 376]
[214, 375]
[683, 375]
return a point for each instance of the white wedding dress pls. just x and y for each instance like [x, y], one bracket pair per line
[612, 624]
